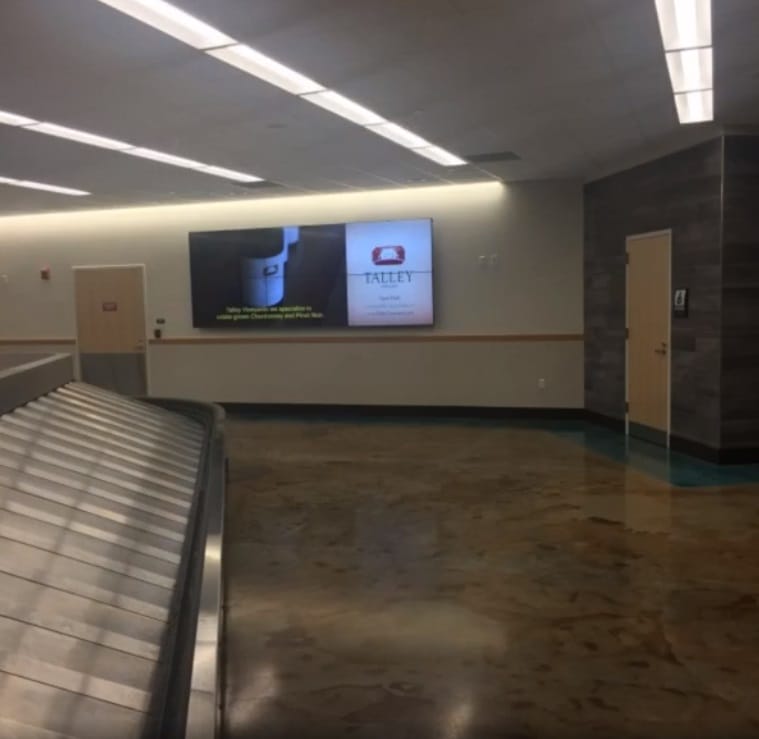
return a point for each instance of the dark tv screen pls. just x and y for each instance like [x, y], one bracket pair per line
[374, 273]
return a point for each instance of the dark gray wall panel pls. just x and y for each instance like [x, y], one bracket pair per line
[740, 294]
[681, 192]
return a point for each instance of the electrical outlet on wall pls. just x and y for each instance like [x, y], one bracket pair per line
[541, 383]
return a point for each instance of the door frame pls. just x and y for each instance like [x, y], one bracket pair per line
[142, 267]
[631, 238]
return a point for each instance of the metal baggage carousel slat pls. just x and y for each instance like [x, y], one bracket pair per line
[81, 501]
[67, 713]
[97, 499]
[10, 729]
[86, 549]
[113, 453]
[162, 439]
[24, 439]
[80, 578]
[70, 663]
[93, 466]
[32, 477]
[180, 434]
[146, 413]
[36, 604]
[134, 405]
[69, 423]
[103, 529]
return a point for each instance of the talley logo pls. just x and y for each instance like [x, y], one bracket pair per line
[386, 255]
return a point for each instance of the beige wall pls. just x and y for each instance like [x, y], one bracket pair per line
[535, 229]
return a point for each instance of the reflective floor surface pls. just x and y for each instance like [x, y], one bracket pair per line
[472, 581]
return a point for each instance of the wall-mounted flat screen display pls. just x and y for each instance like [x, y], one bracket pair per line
[376, 273]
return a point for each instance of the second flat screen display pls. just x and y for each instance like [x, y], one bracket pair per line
[376, 273]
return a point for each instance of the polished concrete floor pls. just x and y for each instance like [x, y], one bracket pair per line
[405, 580]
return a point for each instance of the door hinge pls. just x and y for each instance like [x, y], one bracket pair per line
[627, 407]
[627, 333]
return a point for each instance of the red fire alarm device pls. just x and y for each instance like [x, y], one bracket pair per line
[45, 273]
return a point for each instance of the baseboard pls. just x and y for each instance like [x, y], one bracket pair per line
[740, 455]
[615, 424]
[694, 449]
[322, 410]
[646, 433]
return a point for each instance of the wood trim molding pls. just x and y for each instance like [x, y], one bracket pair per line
[37, 342]
[380, 339]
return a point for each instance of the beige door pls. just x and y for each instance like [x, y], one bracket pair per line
[648, 322]
[110, 319]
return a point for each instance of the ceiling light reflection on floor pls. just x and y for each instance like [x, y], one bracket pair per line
[458, 719]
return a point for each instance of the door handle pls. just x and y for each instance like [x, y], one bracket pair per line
[663, 349]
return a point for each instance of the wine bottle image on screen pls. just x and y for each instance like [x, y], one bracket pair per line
[263, 263]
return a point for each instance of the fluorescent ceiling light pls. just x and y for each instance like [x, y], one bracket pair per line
[441, 156]
[181, 25]
[91, 139]
[159, 156]
[52, 129]
[344, 107]
[690, 69]
[31, 185]
[171, 20]
[399, 135]
[231, 174]
[685, 24]
[11, 119]
[264, 67]
[695, 107]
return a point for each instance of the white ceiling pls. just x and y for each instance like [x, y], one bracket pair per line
[574, 87]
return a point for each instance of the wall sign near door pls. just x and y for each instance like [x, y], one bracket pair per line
[680, 302]
[110, 307]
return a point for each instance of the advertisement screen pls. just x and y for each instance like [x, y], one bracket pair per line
[375, 273]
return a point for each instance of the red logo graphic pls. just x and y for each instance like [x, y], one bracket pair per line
[384, 255]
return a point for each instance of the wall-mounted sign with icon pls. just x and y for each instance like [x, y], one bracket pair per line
[680, 302]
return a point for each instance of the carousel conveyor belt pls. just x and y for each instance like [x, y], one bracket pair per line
[97, 497]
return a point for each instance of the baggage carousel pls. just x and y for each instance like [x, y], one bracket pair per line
[111, 514]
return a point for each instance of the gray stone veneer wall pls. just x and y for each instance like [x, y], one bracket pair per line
[680, 191]
[740, 294]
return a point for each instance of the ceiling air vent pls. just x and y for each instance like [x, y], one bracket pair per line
[492, 156]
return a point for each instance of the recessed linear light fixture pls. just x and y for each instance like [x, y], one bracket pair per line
[399, 135]
[92, 139]
[11, 119]
[686, 30]
[31, 185]
[685, 24]
[441, 156]
[695, 107]
[690, 70]
[265, 68]
[340, 105]
[159, 156]
[174, 22]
